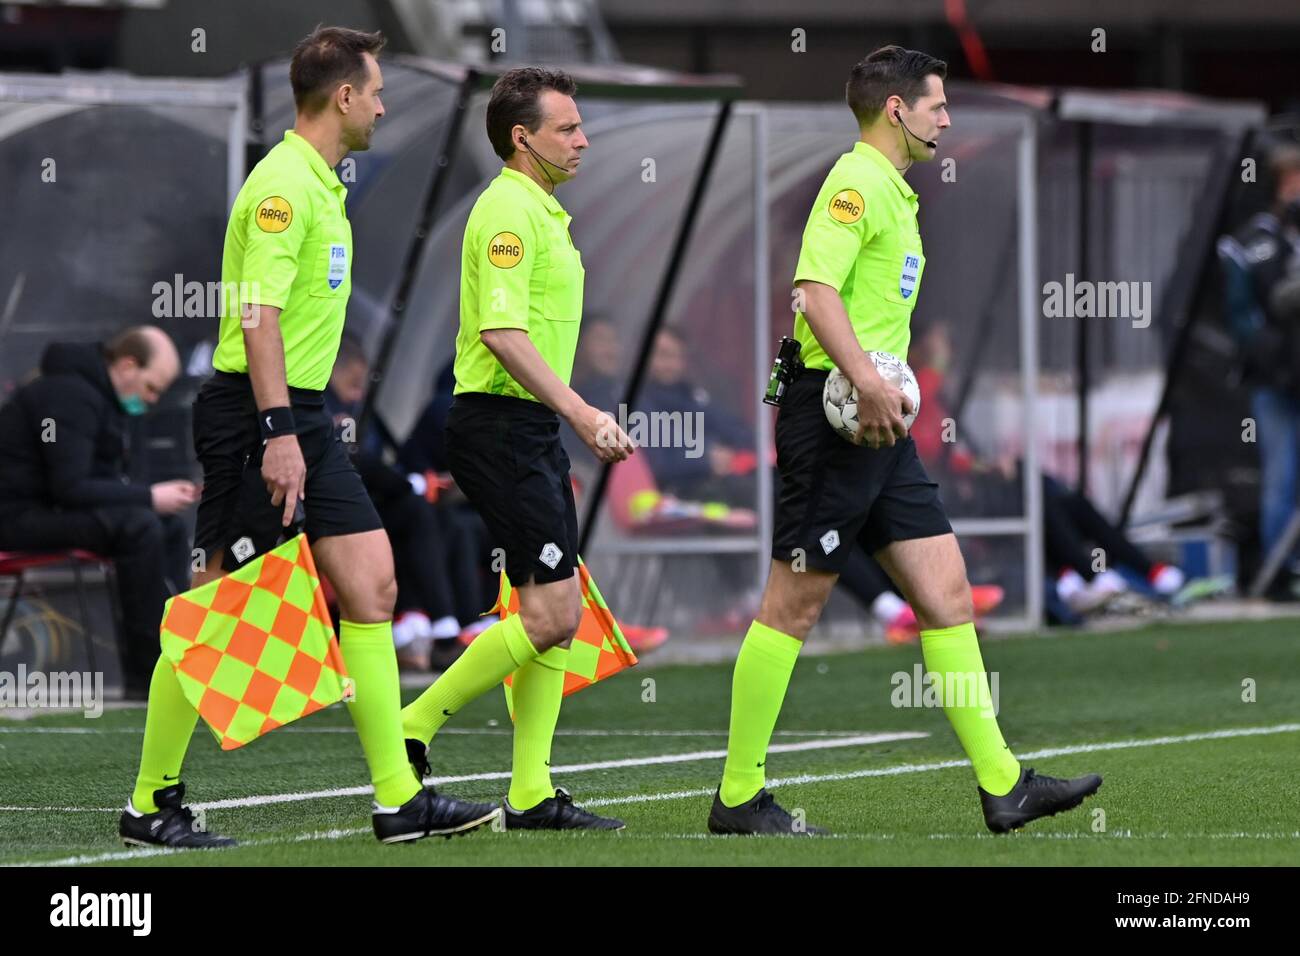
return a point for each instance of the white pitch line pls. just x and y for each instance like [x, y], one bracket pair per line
[776, 748]
[472, 731]
[948, 764]
[338, 834]
[509, 732]
[805, 778]
[825, 744]
[820, 744]
[145, 852]
[68, 730]
[68, 809]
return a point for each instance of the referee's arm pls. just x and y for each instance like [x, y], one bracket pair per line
[519, 356]
[830, 323]
[283, 468]
[270, 265]
[879, 421]
[827, 255]
[503, 314]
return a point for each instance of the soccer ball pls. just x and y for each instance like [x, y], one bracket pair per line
[840, 398]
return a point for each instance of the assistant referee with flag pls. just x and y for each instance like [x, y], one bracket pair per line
[520, 310]
[265, 442]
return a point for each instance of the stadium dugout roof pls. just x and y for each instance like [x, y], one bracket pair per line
[1227, 125]
[430, 100]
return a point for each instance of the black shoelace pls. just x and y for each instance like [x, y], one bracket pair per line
[1040, 783]
[564, 799]
[182, 813]
[765, 802]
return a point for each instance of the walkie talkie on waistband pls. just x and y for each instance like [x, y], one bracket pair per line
[785, 369]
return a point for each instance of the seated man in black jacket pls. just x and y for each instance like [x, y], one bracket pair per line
[63, 466]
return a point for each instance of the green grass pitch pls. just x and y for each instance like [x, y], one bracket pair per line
[1136, 706]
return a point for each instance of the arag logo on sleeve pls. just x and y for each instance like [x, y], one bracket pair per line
[505, 249]
[846, 206]
[274, 214]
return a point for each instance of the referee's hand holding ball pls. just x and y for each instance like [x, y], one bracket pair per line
[285, 474]
[879, 420]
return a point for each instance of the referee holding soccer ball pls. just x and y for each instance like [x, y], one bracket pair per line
[859, 274]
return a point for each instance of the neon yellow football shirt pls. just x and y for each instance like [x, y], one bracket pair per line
[862, 240]
[289, 245]
[519, 269]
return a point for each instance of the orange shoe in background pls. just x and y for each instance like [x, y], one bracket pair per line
[986, 598]
[903, 629]
[467, 635]
[643, 639]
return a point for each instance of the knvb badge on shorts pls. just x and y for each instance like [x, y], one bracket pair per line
[243, 549]
[909, 274]
[338, 270]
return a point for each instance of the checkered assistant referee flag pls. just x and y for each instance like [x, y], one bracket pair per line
[598, 649]
[256, 649]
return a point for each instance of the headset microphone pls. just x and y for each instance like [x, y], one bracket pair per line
[542, 159]
[930, 143]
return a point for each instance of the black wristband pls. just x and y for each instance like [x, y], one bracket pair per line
[275, 422]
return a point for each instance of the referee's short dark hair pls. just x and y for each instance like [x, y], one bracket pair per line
[516, 99]
[887, 72]
[326, 58]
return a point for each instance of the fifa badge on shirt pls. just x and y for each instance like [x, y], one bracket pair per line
[907, 278]
[338, 264]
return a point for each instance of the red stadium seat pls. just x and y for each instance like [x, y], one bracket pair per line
[16, 564]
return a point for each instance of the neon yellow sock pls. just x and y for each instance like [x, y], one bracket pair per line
[953, 655]
[758, 686]
[500, 650]
[376, 711]
[168, 725]
[537, 689]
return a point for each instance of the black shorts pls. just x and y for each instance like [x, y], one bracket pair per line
[835, 493]
[506, 456]
[235, 503]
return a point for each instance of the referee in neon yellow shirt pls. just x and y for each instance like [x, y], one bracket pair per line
[520, 310]
[265, 442]
[859, 272]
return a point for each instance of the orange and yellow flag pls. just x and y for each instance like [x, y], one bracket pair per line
[256, 649]
[598, 649]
